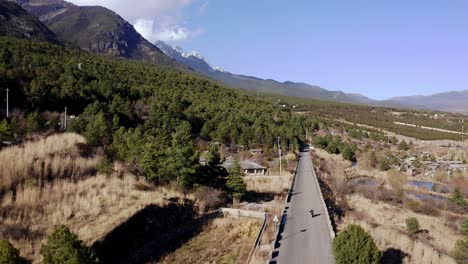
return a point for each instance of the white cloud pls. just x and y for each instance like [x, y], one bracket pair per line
[154, 19]
[165, 30]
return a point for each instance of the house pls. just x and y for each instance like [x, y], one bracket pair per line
[249, 168]
[256, 151]
[202, 161]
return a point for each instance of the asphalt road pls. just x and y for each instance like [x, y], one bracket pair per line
[304, 239]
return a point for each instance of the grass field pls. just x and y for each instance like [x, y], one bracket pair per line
[224, 240]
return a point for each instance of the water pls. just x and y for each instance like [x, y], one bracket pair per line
[426, 197]
[420, 184]
[365, 181]
[430, 186]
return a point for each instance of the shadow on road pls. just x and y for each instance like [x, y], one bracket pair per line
[302, 231]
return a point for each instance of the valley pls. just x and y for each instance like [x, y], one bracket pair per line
[117, 150]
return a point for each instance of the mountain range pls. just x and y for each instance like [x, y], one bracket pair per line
[198, 63]
[456, 101]
[95, 29]
[99, 30]
[17, 22]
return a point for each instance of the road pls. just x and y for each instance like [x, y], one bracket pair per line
[304, 239]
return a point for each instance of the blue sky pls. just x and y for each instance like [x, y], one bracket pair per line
[377, 48]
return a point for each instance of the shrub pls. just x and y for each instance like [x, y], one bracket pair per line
[63, 246]
[458, 198]
[412, 225]
[9, 254]
[210, 198]
[353, 245]
[460, 252]
[464, 227]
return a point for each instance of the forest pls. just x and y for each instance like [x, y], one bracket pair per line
[145, 115]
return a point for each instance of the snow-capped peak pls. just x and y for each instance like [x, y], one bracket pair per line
[172, 52]
[197, 55]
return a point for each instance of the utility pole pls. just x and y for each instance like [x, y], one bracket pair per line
[65, 120]
[7, 103]
[279, 153]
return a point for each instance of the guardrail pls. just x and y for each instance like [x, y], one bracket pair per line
[237, 213]
[322, 201]
[283, 216]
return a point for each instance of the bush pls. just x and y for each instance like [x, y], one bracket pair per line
[412, 225]
[353, 245]
[464, 227]
[63, 246]
[460, 252]
[458, 198]
[9, 254]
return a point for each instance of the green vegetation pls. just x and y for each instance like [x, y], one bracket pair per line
[147, 116]
[9, 254]
[235, 183]
[64, 247]
[382, 117]
[353, 245]
[334, 145]
[464, 227]
[458, 197]
[460, 252]
[412, 225]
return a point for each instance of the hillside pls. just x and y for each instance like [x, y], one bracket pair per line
[95, 29]
[17, 22]
[197, 62]
[455, 101]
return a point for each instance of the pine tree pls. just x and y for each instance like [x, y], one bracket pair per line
[460, 252]
[235, 183]
[353, 245]
[9, 254]
[458, 197]
[63, 246]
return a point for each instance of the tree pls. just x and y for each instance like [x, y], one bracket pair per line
[464, 227]
[6, 132]
[63, 246]
[460, 252]
[412, 225]
[348, 154]
[458, 197]
[9, 254]
[353, 245]
[384, 165]
[403, 145]
[97, 131]
[182, 157]
[35, 122]
[235, 183]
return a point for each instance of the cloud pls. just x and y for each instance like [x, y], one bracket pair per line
[154, 19]
[132, 10]
[155, 29]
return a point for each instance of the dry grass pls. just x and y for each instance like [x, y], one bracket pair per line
[225, 240]
[268, 184]
[386, 224]
[54, 157]
[90, 207]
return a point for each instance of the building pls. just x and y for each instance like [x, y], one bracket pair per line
[256, 151]
[249, 168]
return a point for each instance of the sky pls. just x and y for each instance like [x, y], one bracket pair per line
[379, 48]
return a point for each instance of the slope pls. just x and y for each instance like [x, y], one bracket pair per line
[95, 29]
[16, 22]
[199, 64]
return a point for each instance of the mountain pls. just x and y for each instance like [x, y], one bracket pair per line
[95, 29]
[17, 22]
[197, 62]
[455, 101]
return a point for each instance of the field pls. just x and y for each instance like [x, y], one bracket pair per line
[224, 240]
[90, 205]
